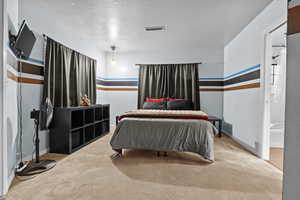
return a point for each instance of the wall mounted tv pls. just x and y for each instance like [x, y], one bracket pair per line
[24, 41]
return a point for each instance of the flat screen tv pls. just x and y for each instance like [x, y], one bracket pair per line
[25, 41]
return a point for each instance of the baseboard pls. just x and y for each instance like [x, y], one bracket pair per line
[42, 152]
[243, 144]
[9, 182]
[226, 133]
[12, 174]
[10, 179]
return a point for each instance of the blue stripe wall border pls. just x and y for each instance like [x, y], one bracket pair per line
[201, 79]
[243, 71]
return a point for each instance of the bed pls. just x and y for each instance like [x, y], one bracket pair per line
[168, 116]
[165, 131]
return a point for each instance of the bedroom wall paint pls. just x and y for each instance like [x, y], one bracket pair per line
[31, 93]
[13, 10]
[32, 97]
[125, 68]
[243, 108]
[12, 121]
[291, 179]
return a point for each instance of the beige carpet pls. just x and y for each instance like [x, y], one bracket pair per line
[141, 175]
[276, 157]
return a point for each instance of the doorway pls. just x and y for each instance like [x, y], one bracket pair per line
[275, 87]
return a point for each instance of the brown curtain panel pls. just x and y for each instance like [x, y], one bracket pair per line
[171, 80]
[68, 75]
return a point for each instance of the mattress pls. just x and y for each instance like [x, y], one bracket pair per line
[165, 134]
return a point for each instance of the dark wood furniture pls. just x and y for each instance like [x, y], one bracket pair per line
[213, 120]
[75, 127]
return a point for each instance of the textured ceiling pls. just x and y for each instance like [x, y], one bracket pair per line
[190, 23]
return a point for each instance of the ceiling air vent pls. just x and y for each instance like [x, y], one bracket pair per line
[155, 28]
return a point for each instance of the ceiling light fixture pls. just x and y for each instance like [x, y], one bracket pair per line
[113, 55]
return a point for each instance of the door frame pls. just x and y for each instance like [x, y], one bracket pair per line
[3, 132]
[265, 76]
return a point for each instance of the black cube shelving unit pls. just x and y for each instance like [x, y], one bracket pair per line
[75, 127]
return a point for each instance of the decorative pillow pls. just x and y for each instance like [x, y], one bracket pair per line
[155, 100]
[155, 105]
[180, 104]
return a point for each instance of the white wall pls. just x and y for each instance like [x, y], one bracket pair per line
[13, 10]
[212, 67]
[32, 93]
[243, 108]
[212, 60]
[12, 121]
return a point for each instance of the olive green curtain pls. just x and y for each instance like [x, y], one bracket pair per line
[170, 80]
[68, 75]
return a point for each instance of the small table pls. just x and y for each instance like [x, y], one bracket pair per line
[117, 120]
[213, 120]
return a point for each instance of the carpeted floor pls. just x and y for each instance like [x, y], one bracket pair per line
[276, 157]
[141, 175]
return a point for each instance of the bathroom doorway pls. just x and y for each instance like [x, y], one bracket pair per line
[275, 90]
[277, 96]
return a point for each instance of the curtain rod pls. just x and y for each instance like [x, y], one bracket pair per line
[200, 63]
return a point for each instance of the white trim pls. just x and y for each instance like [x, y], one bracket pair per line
[102, 86]
[240, 142]
[33, 76]
[1, 103]
[11, 178]
[3, 132]
[212, 87]
[264, 152]
[31, 62]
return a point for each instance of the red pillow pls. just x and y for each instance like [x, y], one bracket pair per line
[155, 100]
